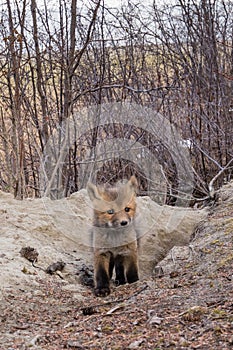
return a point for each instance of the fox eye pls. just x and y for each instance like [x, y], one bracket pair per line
[110, 211]
[127, 209]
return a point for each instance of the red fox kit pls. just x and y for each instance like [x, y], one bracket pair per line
[114, 236]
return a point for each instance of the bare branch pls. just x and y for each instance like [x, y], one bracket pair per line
[211, 184]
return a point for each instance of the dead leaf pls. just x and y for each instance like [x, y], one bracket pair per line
[155, 320]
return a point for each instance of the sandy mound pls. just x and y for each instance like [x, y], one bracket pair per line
[60, 230]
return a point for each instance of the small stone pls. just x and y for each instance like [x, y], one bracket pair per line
[74, 344]
[29, 253]
[136, 344]
[155, 320]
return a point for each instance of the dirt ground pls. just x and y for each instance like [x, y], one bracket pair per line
[186, 304]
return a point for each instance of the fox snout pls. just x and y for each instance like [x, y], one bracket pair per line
[119, 221]
[124, 223]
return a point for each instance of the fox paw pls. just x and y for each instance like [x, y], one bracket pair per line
[102, 292]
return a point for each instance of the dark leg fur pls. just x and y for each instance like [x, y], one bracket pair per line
[132, 273]
[120, 270]
[104, 264]
[111, 266]
[102, 288]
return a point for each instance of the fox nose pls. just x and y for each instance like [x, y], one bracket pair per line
[124, 223]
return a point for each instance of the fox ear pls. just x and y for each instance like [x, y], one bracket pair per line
[133, 183]
[92, 191]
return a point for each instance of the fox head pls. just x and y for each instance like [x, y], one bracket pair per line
[114, 206]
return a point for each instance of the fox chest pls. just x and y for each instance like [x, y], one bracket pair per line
[116, 241]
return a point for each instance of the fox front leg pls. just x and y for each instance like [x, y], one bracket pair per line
[126, 269]
[120, 270]
[132, 274]
[102, 268]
